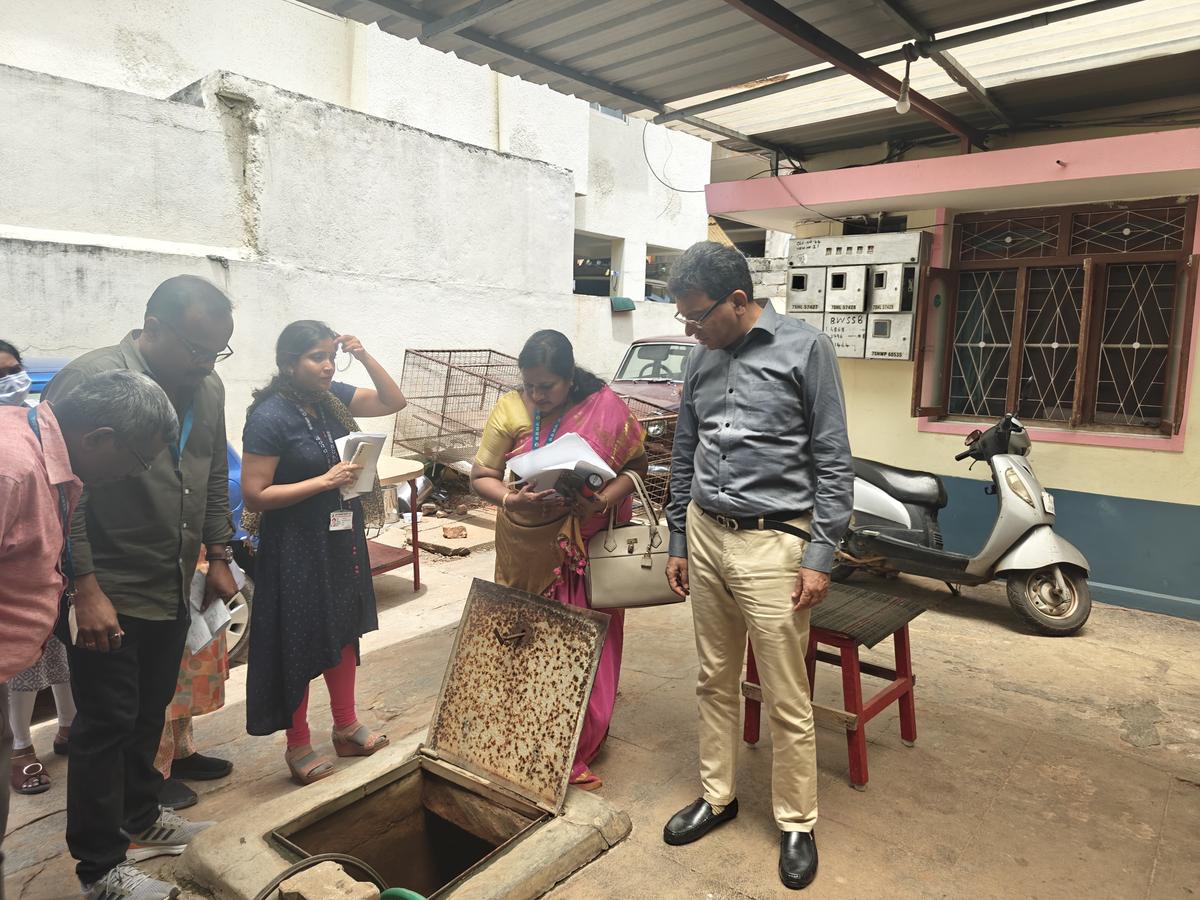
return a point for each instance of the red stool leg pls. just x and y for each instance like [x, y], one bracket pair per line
[856, 739]
[751, 728]
[908, 706]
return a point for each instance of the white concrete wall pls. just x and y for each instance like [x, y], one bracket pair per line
[75, 157]
[671, 215]
[158, 48]
[76, 298]
[299, 208]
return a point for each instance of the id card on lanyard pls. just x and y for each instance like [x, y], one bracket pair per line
[339, 519]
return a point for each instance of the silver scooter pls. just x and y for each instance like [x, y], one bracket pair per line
[895, 529]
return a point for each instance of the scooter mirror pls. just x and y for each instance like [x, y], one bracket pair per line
[973, 437]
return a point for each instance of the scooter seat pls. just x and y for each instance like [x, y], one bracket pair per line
[906, 485]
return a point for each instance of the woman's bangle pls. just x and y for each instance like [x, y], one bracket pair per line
[504, 500]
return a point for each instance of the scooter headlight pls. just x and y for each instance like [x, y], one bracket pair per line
[1018, 486]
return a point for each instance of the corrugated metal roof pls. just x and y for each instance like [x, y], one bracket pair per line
[664, 49]
[635, 55]
[1141, 52]
[1029, 102]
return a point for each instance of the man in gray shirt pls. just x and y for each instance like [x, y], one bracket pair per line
[762, 488]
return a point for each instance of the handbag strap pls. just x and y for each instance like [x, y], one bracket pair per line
[639, 488]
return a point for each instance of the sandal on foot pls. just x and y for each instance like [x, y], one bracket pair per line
[28, 774]
[62, 741]
[357, 740]
[308, 768]
[587, 780]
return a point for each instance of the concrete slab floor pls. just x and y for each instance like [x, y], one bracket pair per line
[1043, 767]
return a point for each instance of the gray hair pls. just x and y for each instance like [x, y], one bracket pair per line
[129, 403]
[711, 269]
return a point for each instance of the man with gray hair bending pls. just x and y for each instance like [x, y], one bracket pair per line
[135, 547]
[106, 428]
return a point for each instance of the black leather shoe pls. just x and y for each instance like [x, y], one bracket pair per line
[693, 822]
[797, 859]
[200, 768]
[174, 794]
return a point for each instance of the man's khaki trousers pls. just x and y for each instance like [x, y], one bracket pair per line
[741, 583]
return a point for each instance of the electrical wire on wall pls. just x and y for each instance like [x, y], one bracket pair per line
[663, 182]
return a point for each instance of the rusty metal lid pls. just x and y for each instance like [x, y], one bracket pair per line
[516, 690]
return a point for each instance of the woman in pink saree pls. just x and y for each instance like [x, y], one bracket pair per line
[541, 538]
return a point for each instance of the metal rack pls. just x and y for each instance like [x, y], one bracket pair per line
[450, 394]
[659, 423]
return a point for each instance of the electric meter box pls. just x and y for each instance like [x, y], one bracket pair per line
[889, 335]
[846, 289]
[891, 288]
[860, 249]
[806, 290]
[848, 331]
[867, 285]
[815, 319]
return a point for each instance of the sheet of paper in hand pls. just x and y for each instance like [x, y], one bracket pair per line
[570, 453]
[207, 624]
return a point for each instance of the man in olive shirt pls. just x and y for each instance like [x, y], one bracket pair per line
[762, 488]
[135, 545]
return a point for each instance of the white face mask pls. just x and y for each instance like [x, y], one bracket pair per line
[14, 389]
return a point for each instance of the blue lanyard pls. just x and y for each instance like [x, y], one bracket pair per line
[537, 429]
[185, 431]
[64, 508]
[329, 450]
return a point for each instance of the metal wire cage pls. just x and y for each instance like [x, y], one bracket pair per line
[450, 394]
[659, 423]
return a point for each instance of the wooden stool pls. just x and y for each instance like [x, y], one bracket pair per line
[385, 557]
[857, 713]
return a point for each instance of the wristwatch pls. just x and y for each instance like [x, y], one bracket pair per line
[227, 555]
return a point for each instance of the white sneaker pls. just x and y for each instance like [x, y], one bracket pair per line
[168, 836]
[127, 882]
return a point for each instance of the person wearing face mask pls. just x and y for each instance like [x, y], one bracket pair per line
[14, 380]
[313, 597]
[136, 544]
[28, 775]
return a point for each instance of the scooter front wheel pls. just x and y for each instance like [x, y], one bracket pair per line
[1036, 598]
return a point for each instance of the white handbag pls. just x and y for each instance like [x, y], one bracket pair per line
[627, 564]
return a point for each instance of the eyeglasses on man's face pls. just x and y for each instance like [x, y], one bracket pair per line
[199, 354]
[699, 320]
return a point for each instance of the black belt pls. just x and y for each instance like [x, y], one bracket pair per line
[769, 522]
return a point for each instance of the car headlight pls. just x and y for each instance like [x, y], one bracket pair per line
[656, 429]
[1018, 486]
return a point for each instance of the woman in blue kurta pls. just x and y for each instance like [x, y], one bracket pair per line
[313, 597]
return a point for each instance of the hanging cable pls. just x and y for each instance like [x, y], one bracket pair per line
[646, 154]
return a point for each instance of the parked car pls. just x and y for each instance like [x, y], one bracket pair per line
[41, 370]
[650, 378]
[652, 370]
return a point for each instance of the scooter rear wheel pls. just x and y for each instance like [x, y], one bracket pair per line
[1033, 596]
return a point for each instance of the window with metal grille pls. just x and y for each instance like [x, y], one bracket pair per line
[1079, 316]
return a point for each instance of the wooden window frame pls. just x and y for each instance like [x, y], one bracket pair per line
[930, 329]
